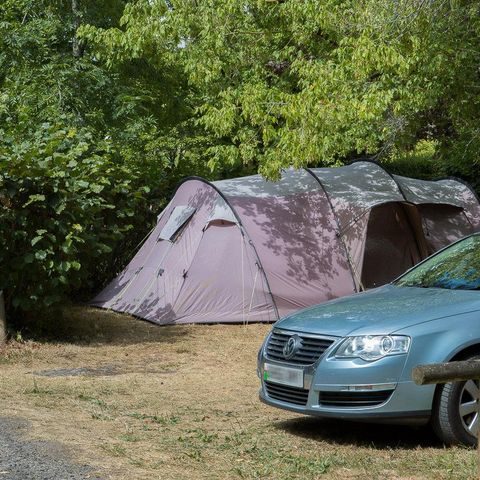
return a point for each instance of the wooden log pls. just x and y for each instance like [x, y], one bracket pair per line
[3, 321]
[446, 372]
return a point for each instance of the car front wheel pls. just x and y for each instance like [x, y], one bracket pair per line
[455, 416]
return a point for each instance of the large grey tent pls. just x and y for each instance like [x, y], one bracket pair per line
[247, 249]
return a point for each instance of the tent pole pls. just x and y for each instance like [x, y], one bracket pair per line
[418, 241]
[339, 230]
[247, 237]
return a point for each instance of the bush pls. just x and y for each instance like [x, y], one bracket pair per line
[65, 201]
[420, 162]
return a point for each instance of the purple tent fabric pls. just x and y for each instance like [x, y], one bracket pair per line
[246, 249]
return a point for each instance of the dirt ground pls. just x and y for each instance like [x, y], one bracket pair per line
[137, 401]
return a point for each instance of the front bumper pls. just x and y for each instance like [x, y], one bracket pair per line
[352, 389]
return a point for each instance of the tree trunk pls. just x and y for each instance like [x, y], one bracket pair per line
[3, 321]
[446, 372]
[77, 47]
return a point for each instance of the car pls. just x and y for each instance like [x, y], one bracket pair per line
[352, 358]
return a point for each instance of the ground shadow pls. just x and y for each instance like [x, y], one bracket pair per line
[359, 434]
[89, 325]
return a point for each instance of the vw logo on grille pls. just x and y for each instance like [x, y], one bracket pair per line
[291, 347]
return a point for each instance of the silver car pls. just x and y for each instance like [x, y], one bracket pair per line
[352, 358]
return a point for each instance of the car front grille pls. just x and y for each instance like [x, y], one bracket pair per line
[310, 350]
[354, 399]
[284, 393]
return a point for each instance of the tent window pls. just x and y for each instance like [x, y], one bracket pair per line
[219, 223]
[221, 211]
[176, 223]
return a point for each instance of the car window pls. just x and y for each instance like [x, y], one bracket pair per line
[457, 267]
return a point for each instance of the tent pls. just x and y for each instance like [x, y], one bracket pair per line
[247, 249]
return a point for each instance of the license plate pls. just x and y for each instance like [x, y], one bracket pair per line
[292, 377]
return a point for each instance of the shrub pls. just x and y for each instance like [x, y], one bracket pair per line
[65, 200]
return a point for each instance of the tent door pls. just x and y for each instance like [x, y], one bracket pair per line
[394, 243]
[224, 281]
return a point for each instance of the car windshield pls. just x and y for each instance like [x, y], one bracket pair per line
[456, 267]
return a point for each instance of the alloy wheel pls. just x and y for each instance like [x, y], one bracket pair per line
[468, 407]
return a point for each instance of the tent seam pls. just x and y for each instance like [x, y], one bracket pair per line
[243, 230]
[464, 183]
[337, 221]
[402, 193]
[381, 167]
[180, 290]
[438, 179]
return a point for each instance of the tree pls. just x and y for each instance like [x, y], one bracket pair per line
[3, 321]
[88, 154]
[105, 106]
[282, 82]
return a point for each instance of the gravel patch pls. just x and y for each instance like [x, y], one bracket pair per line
[22, 459]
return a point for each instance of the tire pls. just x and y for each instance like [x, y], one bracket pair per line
[455, 417]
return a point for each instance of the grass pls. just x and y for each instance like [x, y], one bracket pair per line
[184, 405]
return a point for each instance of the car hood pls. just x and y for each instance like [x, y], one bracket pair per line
[383, 310]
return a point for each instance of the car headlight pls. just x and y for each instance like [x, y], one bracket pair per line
[373, 347]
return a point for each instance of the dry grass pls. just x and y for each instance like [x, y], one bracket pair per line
[183, 405]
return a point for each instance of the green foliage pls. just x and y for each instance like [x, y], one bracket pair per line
[419, 162]
[64, 203]
[105, 106]
[280, 83]
[88, 154]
